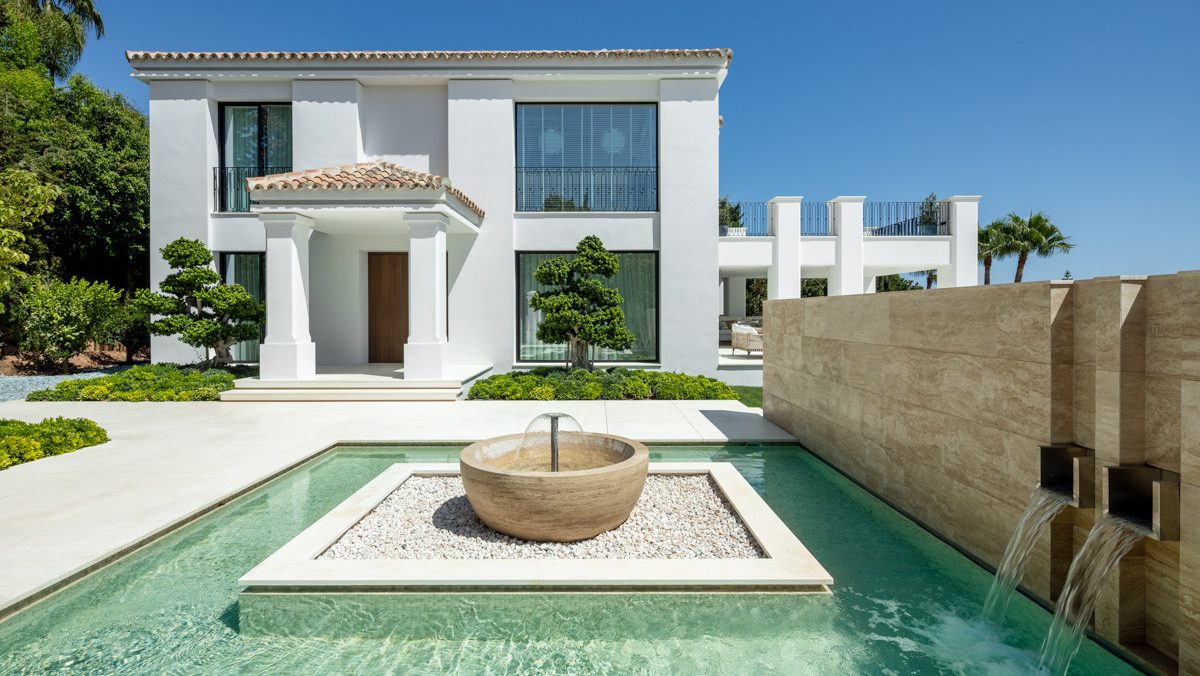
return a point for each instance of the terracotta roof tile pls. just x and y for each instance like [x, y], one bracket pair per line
[379, 175]
[490, 55]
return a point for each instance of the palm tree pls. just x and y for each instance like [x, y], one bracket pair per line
[61, 26]
[82, 10]
[992, 246]
[1035, 235]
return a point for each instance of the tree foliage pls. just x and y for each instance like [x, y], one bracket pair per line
[61, 28]
[993, 245]
[578, 309]
[60, 319]
[92, 145]
[24, 200]
[729, 213]
[197, 306]
[1036, 236]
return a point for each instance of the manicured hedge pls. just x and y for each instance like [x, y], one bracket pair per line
[22, 442]
[617, 383]
[156, 382]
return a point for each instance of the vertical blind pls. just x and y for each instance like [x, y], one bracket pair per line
[587, 135]
[637, 280]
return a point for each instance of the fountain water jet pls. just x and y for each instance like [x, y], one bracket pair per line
[1044, 505]
[1110, 539]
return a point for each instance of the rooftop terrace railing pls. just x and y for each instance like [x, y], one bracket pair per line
[814, 219]
[587, 189]
[745, 219]
[906, 219]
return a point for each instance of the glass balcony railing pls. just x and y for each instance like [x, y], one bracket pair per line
[229, 186]
[587, 189]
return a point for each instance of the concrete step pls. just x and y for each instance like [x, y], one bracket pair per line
[342, 394]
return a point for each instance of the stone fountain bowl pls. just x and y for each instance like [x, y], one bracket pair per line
[511, 487]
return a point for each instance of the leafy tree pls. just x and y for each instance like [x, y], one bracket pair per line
[756, 293]
[811, 288]
[61, 26]
[1035, 235]
[1067, 275]
[729, 213]
[884, 283]
[993, 245]
[94, 146]
[60, 319]
[23, 201]
[195, 304]
[578, 309]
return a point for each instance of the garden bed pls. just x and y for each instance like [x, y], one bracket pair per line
[157, 382]
[22, 442]
[547, 384]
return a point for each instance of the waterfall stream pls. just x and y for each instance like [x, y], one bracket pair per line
[1111, 538]
[1044, 505]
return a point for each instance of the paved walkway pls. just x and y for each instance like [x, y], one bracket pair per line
[169, 461]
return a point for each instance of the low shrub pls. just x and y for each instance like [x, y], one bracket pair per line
[23, 442]
[617, 383]
[156, 382]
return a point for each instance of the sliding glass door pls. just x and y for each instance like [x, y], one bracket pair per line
[256, 140]
[249, 270]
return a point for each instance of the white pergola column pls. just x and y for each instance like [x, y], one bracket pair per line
[964, 244]
[847, 275]
[288, 352]
[737, 297]
[427, 353]
[783, 277]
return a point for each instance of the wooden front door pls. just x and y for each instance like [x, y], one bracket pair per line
[387, 306]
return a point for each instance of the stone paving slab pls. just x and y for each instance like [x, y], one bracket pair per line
[168, 461]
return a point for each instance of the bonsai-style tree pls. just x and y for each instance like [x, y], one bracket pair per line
[198, 307]
[577, 308]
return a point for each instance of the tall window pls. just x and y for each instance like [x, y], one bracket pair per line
[587, 157]
[249, 270]
[256, 139]
[637, 281]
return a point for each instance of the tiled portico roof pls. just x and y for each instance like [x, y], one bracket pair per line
[488, 55]
[375, 176]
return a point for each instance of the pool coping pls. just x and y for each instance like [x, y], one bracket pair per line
[295, 568]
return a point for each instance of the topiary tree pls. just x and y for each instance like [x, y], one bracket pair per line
[198, 306]
[578, 309]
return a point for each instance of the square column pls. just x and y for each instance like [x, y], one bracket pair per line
[736, 307]
[426, 354]
[288, 352]
[964, 243]
[847, 220]
[783, 277]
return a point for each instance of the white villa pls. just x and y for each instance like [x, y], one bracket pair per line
[390, 208]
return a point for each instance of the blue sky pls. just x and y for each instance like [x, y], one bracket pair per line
[1089, 111]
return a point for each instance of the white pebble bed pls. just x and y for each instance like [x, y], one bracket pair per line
[677, 517]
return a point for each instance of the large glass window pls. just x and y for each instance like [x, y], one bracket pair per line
[249, 270]
[256, 140]
[587, 157]
[637, 281]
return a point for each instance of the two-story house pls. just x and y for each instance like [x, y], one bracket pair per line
[391, 207]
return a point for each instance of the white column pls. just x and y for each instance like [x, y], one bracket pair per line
[964, 244]
[288, 352]
[737, 297]
[426, 354]
[783, 277]
[847, 221]
[869, 284]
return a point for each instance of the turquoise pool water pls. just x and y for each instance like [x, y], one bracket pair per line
[904, 601]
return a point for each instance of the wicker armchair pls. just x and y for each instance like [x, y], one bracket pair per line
[744, 337]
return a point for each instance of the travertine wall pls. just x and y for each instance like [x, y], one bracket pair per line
[939, 400]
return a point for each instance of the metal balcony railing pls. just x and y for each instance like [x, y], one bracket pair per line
[906, 219]
[745, 219]
[587, 189]
[229, 186]
[814, 219]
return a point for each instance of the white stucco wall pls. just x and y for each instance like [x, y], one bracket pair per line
[406, 125]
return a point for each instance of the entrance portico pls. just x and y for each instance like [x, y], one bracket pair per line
[378, 207]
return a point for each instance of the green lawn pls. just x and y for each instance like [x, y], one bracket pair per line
[750, 396]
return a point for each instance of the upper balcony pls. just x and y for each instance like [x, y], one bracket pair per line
[229, 186]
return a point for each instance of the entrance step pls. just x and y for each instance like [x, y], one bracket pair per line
[358, 393]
